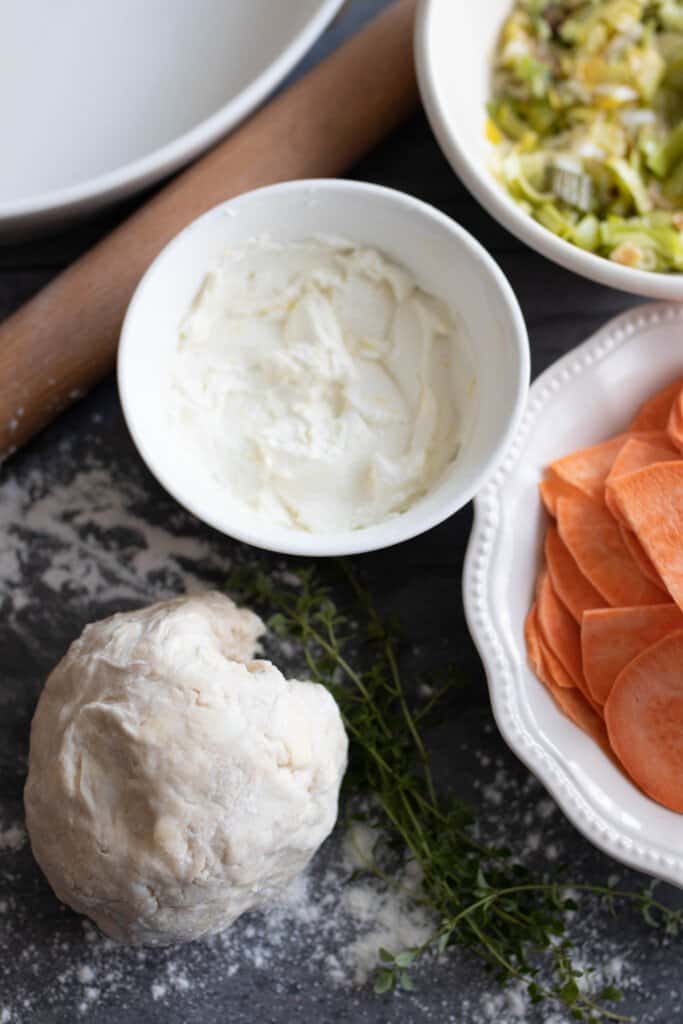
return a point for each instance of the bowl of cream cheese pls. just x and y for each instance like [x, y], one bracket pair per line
[323, 367]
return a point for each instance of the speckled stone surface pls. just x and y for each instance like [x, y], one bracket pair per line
[85, 530]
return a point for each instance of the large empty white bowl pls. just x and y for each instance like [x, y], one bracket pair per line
[102, 97]
[454, 47]
[445, 261]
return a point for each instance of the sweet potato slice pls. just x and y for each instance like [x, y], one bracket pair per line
[532, 641]
[644, 716]
[553, 488]
[554, 677]
[654, 412]
[577, 708]
[553, 667]
[569, 700]
[559, 630]
[571, 586]
[674, 424]
[651, 502]
[594, 540]
[641, 557]
[612, 637]
[587, 468]
[635, 454]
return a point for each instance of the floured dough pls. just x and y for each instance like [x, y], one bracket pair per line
[174, 783]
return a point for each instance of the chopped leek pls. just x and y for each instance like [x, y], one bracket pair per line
[587, 122]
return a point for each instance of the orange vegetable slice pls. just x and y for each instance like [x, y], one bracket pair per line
[674, 424]
[544, 663]
[532, 641]
[577, 708]
[651, 502]
[644, 716]
[587, 468]
[612, 637]
[553, 488]
[573, 589]
[641, 557]
[635, 454]
[569, 699]
[653, 414]
[554, 668]
[594, 540]
[559, 630]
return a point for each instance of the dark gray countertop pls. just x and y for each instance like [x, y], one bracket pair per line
[85, 531]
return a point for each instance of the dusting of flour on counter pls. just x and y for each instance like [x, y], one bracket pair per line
[86, 540]
[12, 838]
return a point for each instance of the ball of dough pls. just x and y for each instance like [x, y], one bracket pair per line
[174, 783]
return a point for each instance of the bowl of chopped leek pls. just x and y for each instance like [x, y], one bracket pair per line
[565, 119]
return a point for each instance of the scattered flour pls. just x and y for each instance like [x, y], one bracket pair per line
[385, 919]
[85, 974]
[12, 838]
[89, 543]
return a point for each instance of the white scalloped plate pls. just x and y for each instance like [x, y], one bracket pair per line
[583, 398]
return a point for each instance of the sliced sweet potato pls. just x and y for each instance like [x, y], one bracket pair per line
[612, 637]
[635, 454]
[553, 667]
[571, 586]
[576, 705]
[587, 468]
[553, 488]
[651, 502]
[674, 424]
[544, 663]
[532, 641]
[654, 412]
[569, 699]
[594, 540]
[644, 716]
[641, 557]
[580, 711]
[559, 630]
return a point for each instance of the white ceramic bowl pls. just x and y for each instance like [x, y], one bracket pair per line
[454, 47]
[586, 396]
[445, 261]
[109, 97]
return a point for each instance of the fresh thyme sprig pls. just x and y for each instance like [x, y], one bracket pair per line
[481, 899]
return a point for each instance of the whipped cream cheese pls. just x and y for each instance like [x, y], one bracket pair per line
[318, 383]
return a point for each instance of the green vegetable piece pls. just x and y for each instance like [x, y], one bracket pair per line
[550, 216]
[673, 186]
[670, 14]
[630, 184]
[575, 188]
[660, 157]
[586, 233]
[505, 118]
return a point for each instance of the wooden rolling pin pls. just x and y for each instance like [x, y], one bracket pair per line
[62, 342]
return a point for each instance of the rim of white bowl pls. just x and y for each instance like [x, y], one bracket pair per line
[181, 150]
[389, 532]
[494, 199]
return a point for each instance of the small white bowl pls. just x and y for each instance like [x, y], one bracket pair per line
[454, 49]
[589, 394]
[445, 261]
